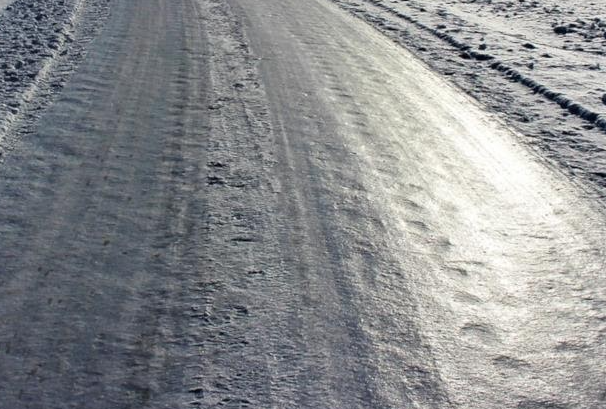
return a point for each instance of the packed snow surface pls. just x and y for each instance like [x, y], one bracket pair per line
[540, 64]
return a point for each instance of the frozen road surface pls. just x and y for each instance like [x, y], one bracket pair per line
[268, 204]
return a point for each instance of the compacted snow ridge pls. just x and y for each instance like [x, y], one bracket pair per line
[41, 42]
[539, 64]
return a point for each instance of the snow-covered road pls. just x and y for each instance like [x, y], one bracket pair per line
[269, 204]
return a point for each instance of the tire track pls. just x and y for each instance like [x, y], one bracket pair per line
[561, 99]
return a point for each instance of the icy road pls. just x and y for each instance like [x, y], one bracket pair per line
[268, 204]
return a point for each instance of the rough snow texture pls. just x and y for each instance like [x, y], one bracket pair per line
[4, 3]
[41, 42]
[539, 63]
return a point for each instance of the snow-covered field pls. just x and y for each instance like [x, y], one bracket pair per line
[540, 64]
